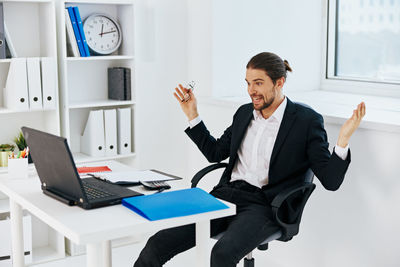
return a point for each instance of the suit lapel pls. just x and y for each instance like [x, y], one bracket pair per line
[287, 121]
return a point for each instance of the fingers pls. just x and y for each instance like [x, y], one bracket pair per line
[185, 90]
[178, 98]
[363, 109]
[179, 93]
[186, 95]
[183, 94]
[360, 111]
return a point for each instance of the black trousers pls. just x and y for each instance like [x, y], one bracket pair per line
[244, 231]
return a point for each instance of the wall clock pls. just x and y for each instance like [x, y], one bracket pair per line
[103, 34]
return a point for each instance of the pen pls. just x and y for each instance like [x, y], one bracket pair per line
[186, 96]
[160, 190]
[127, 183]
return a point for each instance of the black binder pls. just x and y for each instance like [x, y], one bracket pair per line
[119, 83]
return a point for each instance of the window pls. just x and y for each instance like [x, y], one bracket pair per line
[364, 41]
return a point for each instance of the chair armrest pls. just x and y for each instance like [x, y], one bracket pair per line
[291, 229]
[197, 177]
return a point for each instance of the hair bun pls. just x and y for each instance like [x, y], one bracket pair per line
[287, 66]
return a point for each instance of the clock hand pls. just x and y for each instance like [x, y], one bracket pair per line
[109, 32]
[102, 27]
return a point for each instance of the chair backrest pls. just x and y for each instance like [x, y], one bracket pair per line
[288, 206]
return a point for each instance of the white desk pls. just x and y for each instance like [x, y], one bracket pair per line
[93, 228]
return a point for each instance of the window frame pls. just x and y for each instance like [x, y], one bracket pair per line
[330, 82]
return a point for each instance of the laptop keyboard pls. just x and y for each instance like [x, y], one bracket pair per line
[93, 192]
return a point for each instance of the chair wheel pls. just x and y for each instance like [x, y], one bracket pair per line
[263, 247]
[248, 263]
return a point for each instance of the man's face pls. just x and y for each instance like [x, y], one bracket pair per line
[261, 89]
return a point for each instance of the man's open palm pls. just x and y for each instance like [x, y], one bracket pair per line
[351, 125]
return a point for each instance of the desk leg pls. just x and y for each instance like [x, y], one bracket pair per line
[202, 243]
[17, 234]
[99, 254]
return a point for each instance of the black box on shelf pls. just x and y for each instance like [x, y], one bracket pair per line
[119, 83]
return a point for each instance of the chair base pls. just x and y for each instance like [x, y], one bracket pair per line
[248, 262]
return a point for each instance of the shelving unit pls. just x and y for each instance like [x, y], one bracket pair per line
[32, 28]
[83, 80]
[31, 25]
[37, 29]
[84, 84]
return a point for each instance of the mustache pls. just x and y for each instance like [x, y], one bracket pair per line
[254, 95]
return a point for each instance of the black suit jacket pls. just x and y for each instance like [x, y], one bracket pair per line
[301, 143]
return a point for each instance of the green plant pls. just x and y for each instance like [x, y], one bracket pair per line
[7, 147]
[20, 141]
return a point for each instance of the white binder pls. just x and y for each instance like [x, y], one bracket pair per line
[9, 41]
[71, 40]
[34, 83]
[49, 82]
[124, 130]
[110, 131]
[15, 95]
[92, 140]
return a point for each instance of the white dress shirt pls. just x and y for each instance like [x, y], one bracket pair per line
[254, 153]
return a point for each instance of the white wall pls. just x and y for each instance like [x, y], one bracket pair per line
[161, 60]
[242, 29]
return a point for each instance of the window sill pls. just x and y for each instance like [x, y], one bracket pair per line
[383, 113]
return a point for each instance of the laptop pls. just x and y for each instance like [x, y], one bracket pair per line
[60, 179]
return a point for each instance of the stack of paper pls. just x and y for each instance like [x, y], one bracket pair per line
[134, 176]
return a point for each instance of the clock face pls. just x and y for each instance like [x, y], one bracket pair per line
[103, 34]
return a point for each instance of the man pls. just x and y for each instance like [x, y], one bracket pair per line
[270, 144]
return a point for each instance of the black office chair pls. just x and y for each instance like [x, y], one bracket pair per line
[293, 198]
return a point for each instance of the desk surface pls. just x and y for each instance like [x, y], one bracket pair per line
[89, 226]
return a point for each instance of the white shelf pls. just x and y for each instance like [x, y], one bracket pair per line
[7, 60]
[91, 58]
[100, 103]
[82, 158]
[11, 111]
[45, 254]
[105, 2]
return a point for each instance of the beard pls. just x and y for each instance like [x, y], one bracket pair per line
[264, 105]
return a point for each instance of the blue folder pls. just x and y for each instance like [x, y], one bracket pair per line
[173, 204]
[81, 32]
[76, 31]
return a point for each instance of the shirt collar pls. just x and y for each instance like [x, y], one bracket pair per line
[278, 113]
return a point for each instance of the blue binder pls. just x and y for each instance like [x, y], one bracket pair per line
[173, 204]
[81, 32]
[76, 31]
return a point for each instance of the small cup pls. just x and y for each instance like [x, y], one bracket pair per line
[18, 168]
[4, 155]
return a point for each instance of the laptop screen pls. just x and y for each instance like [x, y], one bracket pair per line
[54, 163]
